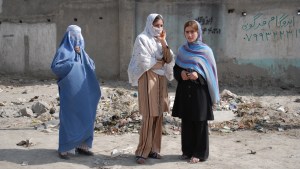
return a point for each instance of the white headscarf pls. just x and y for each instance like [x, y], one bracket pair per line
[146, 51]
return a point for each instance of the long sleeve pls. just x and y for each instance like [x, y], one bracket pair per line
[177, 73]
[167, 56]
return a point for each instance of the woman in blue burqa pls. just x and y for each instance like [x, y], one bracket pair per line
[79, 93]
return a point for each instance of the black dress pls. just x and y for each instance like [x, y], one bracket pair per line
[193, 105]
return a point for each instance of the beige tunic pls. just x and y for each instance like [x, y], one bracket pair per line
[153, 94]
[153, 101]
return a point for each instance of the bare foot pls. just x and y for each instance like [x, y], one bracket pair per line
[140, 160]
[194, 160]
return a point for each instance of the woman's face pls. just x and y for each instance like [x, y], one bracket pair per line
[77, 49]
[190, 34]
[158, 24]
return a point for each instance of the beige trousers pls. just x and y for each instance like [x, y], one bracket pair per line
[153, 101]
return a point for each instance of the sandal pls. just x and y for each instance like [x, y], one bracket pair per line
[84, 152]
[140, 160]
[184, 157]
[154, 155]
[194, 160]
[64, 156]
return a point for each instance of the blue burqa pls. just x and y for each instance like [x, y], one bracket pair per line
[79, 91]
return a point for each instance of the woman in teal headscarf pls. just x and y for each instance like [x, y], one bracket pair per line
[79, 93]
[197, 90]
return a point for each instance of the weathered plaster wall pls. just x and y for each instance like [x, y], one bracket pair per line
[25, 48]
[1, 6]
[260, 48]
[99, 21]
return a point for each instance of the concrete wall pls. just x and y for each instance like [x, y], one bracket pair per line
[27, 37]
[261, 48]
[99, 21]
[25, 48]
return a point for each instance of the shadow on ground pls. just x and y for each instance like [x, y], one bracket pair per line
[47, 156]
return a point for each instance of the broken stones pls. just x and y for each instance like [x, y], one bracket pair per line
[34, 98]
[25, 143]
[252, 114]
[118, 110]
[125, 151]
[19, 101]
[281, 109]
[25, 92]
[40, 107]
[45, 117]
[26, 112]
[228, 94]
[226, 129]
[52, 110]
[3, 114]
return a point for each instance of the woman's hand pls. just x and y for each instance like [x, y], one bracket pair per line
[77, 49]
[193, 75]
[184, 75]
[159, 64]
[162, 38]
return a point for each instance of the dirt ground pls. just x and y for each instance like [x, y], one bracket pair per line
[238, 149]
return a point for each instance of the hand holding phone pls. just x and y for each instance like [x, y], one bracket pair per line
[184, 75]
[163, 34]
[162, 38]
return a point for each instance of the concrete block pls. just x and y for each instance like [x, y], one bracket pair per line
[221, 116]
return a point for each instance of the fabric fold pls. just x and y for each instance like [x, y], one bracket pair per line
[200, 58]
[146, 52]
[79, 92]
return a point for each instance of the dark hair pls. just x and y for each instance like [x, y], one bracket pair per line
[192, 24]
[158, 17]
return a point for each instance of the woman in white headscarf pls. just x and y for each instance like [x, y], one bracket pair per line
[150, 67]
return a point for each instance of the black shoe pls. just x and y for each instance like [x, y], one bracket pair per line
[154, 155]
[64, 156]
[84, 152]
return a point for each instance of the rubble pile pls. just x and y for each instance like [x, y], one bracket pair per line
[118, 111]
[252, 114]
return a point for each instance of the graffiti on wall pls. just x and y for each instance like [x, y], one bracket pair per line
[207, 27]
[265, 28]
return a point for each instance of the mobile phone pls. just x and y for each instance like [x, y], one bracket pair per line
[189, 70]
